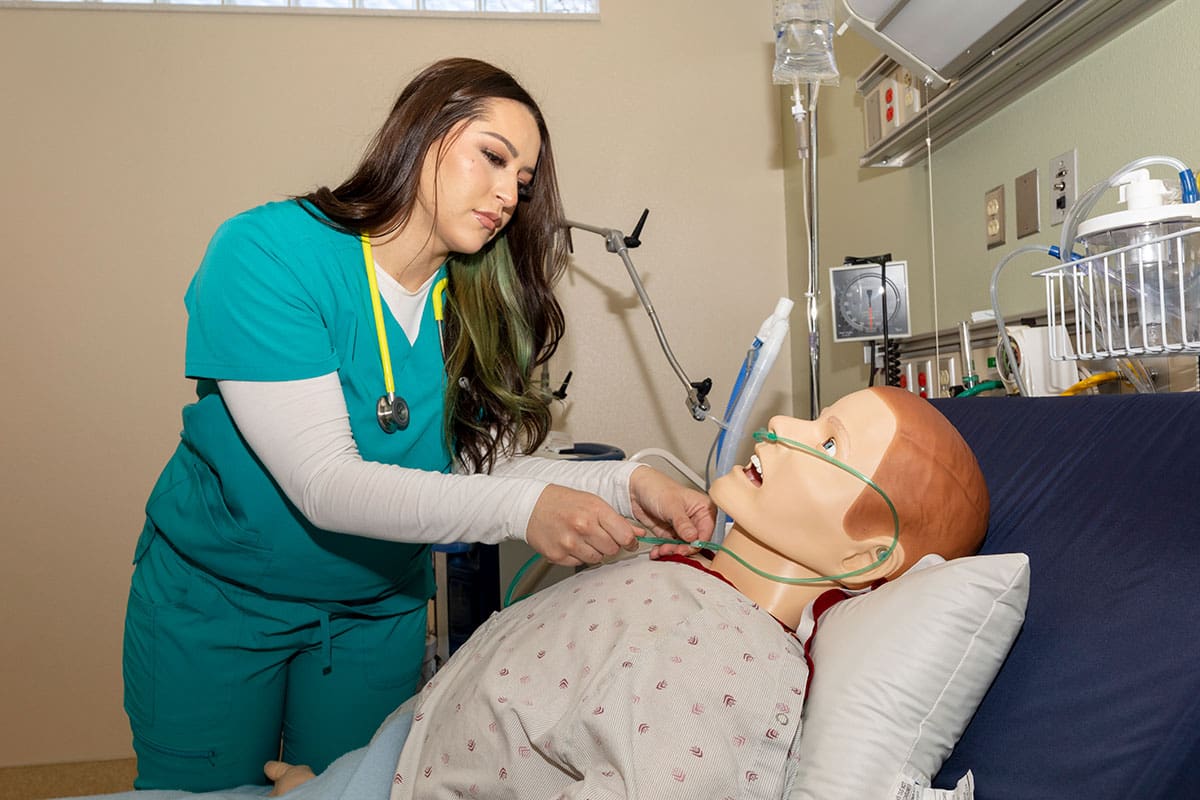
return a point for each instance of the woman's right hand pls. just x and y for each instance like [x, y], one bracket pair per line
[573, 528]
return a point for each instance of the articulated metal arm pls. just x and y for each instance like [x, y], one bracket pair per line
[617, 242]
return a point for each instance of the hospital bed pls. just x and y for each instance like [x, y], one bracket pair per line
[1099, 696]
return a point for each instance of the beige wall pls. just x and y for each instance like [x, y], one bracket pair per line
[1133, 97]
[129, 135]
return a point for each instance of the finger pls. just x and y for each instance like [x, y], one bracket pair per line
[586, 553]
[274, 769]
[706, 520]
[704, 530]
[631, 542]
[616, 533]
[562, 558]
[604, 541]
[685, 529]
[700, 514]
[660, 550]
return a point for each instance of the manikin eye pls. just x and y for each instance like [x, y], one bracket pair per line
[829, 446]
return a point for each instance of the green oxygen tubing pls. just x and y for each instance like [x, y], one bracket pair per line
[763, 436]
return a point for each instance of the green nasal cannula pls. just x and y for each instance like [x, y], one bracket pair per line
[765, 436]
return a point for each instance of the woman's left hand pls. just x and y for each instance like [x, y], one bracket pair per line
[669, 509]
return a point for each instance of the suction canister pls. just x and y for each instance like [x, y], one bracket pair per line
[1157, 270]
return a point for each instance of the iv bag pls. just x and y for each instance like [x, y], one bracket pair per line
[804, 42]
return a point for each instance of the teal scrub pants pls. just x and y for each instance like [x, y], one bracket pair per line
[217, 677]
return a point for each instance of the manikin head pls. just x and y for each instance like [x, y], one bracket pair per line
[796, 515]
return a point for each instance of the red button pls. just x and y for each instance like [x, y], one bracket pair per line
[891, 113]
[887, 96]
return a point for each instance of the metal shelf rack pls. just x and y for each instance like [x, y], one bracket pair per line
[1138, 300]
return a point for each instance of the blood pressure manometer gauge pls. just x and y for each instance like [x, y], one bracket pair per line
[859, 297]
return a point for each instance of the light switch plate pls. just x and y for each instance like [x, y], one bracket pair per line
[1063, 184]
[1029, 209]
[993, 209]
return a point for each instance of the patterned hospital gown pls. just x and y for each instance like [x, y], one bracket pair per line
[643, 678]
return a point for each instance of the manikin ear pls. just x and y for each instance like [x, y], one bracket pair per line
[869, 551]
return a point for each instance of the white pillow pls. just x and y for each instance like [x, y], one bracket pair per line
[898, 673]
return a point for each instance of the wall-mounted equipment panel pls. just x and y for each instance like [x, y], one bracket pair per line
[984, 59]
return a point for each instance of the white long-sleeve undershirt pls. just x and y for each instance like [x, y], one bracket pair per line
[300, 431]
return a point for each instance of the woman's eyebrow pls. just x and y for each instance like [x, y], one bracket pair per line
[506, 142]
[509, 146]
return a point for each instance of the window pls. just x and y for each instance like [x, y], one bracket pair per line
[434, 7]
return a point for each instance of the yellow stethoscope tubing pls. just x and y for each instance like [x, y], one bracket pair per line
[385, 355]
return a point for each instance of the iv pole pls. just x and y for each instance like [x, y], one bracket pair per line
[813, 295]
[804, 111]
[804, 54]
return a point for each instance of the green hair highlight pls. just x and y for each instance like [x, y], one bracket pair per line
[494, 343]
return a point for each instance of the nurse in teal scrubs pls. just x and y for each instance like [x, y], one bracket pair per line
[364, 359]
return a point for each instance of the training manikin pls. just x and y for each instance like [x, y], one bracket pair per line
[686, 677]
[799, 517]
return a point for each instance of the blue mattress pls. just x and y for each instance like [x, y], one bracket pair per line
[1100, 696]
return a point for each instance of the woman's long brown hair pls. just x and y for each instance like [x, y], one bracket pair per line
[502, 318]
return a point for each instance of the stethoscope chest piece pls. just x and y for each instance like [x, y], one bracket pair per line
[392, 413]
[391, 410]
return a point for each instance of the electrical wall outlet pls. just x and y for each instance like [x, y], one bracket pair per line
[1026, 199]
[1064, 186]
[993, 208]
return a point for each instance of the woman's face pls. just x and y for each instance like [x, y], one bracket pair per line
[794, 502]
[473, 178]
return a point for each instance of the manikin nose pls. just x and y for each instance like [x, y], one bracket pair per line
[795, 428]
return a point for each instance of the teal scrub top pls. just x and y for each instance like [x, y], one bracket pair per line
[280, 296]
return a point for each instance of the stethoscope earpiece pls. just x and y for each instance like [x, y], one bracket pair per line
[392, 413]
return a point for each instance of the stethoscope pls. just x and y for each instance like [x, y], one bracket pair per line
[391, 410]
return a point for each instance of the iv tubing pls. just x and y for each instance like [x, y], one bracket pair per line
[799, 114]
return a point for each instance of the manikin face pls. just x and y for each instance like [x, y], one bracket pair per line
[485, 165]
[794, 502]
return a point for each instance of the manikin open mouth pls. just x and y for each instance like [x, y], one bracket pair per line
[754, 471]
